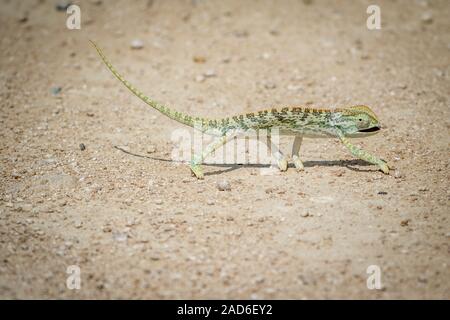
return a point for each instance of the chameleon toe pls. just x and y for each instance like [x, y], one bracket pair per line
[282, 164]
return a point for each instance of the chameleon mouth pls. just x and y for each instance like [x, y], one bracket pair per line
[373, 129]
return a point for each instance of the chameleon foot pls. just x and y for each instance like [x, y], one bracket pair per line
[282, 164]
[384, 167]
[197, 171]
[298, 163]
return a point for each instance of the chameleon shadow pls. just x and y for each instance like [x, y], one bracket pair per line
[307, 164]
[349, 164]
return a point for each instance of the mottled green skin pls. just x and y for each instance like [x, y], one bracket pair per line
[355, 121]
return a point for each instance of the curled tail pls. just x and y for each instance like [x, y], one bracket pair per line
[172, 114]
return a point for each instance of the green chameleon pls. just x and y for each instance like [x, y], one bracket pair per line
[343, 123]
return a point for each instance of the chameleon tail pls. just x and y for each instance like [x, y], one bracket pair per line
[172, 114]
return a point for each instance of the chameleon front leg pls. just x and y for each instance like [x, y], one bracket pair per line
[364, 155]
[282, 162]
[295, 151]
[197, 160]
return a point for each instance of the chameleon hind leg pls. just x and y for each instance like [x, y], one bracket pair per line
[295, 151]
[197, 160]
[364, 155]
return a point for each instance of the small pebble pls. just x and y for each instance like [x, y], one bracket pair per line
[151, 149]
[209, 73]
[422, 279]
[82, 147]
[137, 44]
[304, 214]
[130, 222]
[23, 17]
[15, 175]
[200, 78]
[270, 85]
[228, 59]
[438, 72]
[223, 185]
[55, 90]
[199, 59]
[68, 244]
[62, 5]
[158, 201]
[405, 223]
[397, 175]
[274, 32]
[120, 236]
[427, 17]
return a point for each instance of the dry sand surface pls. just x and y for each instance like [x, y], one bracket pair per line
[138, 225]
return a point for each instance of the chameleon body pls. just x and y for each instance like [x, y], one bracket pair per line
[341, 123]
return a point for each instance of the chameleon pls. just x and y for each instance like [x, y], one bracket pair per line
[356, 121]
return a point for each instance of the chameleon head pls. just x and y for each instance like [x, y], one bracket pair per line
[357, 121]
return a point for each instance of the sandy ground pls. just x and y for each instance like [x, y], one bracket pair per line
[139, 226]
